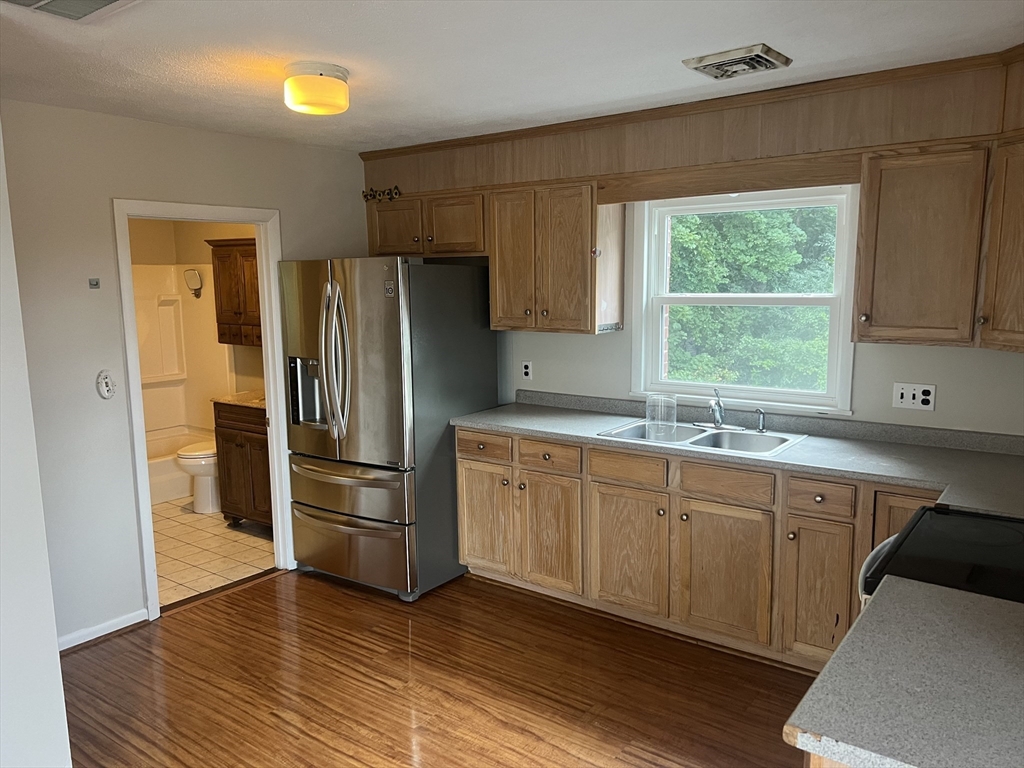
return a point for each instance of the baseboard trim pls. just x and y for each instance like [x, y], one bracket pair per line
[70, 640]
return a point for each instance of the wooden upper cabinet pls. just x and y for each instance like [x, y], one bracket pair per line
[566, 265]
[552, 547]
[455, 224]
[236, 288]
[513, 249]
[486, 533]
[722, 569]
[227, 286]
[396, 227]
[816, 587]
[919, 246]
[629, 541]
[250, 286]
[1003, 312]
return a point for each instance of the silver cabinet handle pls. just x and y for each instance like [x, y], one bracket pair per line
[359, 482]
[818, 499]
[430, 238]
[791, 536]
[522, 486]
[661, 513]
[547, 457]
[982, 320]
[543, 313]
[527, 313]
[415, 239]
[370, 532]
[684, 517]
[504, 482]
[480, 446]
[865, 317]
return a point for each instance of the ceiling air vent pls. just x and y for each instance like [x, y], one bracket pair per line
[75, 9]
[740, 61]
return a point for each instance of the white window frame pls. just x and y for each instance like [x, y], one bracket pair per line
[650, 238]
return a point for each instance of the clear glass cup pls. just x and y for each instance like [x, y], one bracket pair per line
[661, 416]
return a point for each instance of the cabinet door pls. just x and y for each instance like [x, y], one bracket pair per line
[1004, 267]
[722, 569]
[629, 548]
[455, 224]
[817, 581]
[565, 264]
[892, 512]
[250, 286]
[227, 285]
[513, 248]
[258, 459]
[551, 530]
[396, 227]
[486, 532]
[233, 472]
[920, 236]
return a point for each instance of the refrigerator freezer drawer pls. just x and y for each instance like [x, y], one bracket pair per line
[377, 554]
[377, 494]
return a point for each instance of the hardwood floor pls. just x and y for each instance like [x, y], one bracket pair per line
[300, 670]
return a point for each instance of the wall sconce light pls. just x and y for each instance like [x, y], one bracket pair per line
[194, 281]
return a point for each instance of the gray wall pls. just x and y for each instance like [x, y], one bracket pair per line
[64, 168]
[33, 726]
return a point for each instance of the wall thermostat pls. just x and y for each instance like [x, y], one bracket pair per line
[105, 384]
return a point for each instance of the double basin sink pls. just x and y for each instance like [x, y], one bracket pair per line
[715, 440]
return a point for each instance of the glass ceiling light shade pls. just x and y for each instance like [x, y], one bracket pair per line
[316, 89]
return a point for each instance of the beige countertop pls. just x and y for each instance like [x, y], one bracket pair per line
[969, 480]
[254, 399]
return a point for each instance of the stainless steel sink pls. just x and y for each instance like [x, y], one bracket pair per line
[640, 431]
[744, 442]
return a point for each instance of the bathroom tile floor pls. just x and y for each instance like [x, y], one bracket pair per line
[196, 553]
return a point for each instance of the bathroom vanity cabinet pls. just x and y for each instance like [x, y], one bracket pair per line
[243, 462]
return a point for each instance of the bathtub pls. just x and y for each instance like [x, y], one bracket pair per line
[166, 480]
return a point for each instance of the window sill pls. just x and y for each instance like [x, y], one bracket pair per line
[736, 404]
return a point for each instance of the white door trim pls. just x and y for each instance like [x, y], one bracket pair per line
[268, 249]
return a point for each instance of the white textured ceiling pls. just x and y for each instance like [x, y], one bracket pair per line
[424, 70]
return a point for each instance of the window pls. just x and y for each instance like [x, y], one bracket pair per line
[749, 293]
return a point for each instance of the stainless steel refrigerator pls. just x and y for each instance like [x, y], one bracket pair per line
[381, 353]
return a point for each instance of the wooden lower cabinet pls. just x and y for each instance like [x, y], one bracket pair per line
[629, 539]
[893, 511]
[486, 531]
[552, 517]
[243, 466]
[816, 589]
[722, 569]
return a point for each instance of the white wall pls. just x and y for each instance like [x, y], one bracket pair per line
[33, 724]
[976, 389]
[65, 168]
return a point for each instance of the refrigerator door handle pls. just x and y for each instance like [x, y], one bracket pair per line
[346, 350]
[375, 533]
[315, 474]
[324, 387]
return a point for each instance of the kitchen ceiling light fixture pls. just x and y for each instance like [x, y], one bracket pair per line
[316, 89]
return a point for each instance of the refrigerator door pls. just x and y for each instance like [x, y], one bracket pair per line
[306, 302]
[371, 362]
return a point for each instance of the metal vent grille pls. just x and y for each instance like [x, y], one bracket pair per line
[73, 9]
[741, 61]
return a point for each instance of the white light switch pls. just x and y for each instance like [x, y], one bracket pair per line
[920, 397]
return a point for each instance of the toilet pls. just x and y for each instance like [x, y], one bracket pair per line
[200, 461]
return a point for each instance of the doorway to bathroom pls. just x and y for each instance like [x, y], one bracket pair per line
[200, 309]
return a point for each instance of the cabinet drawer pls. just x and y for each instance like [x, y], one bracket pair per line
[240, 417]
[563, 458]
[629, 468]
[478, 445]
[819, 497]
[741, 486]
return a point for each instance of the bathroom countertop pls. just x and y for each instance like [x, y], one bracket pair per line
[970, 480]
[255, 399]
[927, 676]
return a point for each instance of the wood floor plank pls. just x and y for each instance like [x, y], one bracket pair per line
[301, 670]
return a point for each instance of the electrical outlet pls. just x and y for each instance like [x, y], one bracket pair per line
[527, 368]
[920, 397]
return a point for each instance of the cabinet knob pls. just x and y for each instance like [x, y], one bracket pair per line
[480, 446]
[522, 486]
[818, 499]
[504, 482]
[547, 457]
[543, 313]
[527, 312]
[430, 238]
[982, 320]
[661, 513]
[684, 517]
[791, 536]
[865, 317]
[595, 252]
